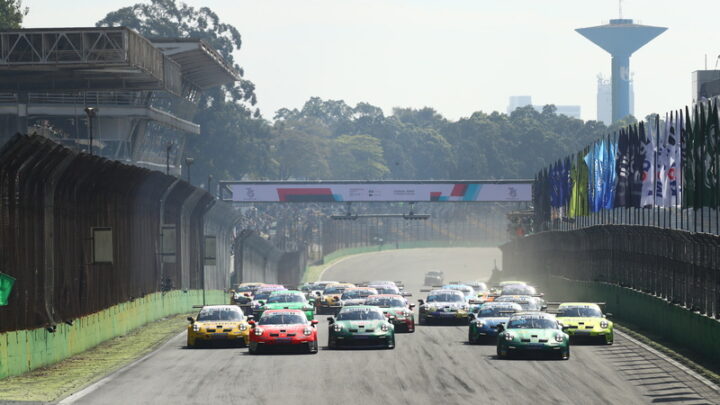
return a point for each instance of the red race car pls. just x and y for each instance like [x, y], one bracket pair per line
[283, 327]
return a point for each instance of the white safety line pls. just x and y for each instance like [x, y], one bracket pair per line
[670, 360]
[89, 389]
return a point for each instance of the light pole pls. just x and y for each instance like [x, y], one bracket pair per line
[188, 162]
[91, 112]
[210, 179]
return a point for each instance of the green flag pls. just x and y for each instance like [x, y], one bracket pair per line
[6, 285]
[579, 194]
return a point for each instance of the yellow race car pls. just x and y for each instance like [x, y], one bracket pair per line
[585, 320]
[329, 300]
[218, 323]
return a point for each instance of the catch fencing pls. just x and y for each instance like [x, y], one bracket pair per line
[680, 267]
[81, 233]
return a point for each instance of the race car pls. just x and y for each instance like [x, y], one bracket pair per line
[385, 288]
[443, 305]
[484, 322]
[468, 292]
[534, 332]
[586, 320]
[218, 323]
[242, 294]
[317, 288]
[519, 289]
[496, 289]
[478, 286]
[527, 302]
[329, 299]
[356, 296]
[394, 305]
[361, 326]
[283, 327]
[433, 278]
[287, 299]
[261, 295]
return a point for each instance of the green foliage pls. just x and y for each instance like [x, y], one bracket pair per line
[11, 14]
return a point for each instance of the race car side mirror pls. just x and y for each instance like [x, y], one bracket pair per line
[314, 322]
[331, 319]
[421, 302]
[251, 323]
[565, 327]
[250, 317]
[411, 306]
[608, 315]
[318, 293]
[190, 319]
[391, 318]
[500, 327]
[471, 316]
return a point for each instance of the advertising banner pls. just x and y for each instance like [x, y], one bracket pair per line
[248, 192]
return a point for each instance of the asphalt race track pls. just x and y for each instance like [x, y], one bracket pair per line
[433, 365]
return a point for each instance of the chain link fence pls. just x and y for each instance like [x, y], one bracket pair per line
[680, 267]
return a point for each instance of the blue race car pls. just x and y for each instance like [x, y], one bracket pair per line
[487, 317]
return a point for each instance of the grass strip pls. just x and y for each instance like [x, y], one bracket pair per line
[54, 382]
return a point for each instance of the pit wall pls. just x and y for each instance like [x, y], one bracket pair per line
[25, 350]
[691, 330]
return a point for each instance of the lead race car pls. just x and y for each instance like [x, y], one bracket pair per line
[585, 320]
[361, 326]
[283, 327]
[533, 332]
[394, 305]
[443, 305]
[218, 323]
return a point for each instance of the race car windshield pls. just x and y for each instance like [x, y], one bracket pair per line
[349, 295]
[583, 312]
[518, 290]
[388, 290]
[285, 298]
[219, 314]
[496, 312]
[263, 295]
[532, 323]
[385, 302]
[246, 288]
[281, 319]
[363, 315]
[445, 298]
[334, 290]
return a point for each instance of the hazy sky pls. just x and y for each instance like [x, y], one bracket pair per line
[457, 56]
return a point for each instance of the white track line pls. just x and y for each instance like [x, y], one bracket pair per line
[89, 389]
[670, 360]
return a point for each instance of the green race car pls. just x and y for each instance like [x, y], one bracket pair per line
[533, 332]
[287, 299]
[361, 326]
[585, 320]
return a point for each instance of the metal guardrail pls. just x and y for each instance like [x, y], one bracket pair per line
[680, 267]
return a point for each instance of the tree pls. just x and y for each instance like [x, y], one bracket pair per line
[356, 157]
[11, 14]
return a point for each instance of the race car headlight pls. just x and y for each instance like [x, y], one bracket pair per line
[307, 331]
[559, 338]
[479, 324]
[407, 312]
[509, 337]
[337, 327]
[307, 308]
[196, 327]
[604, 324]
[384, 327]
[465, 307]
[432, 308]
[258, 332]
[243, 327]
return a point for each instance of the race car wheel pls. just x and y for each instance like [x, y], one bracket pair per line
[565, 355]
[332, 344]
[472, 339]
[312, 347]
[391, 344]
[422, 320]
[608, 339]
[502, 353]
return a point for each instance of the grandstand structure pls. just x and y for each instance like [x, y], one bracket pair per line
[144, 91]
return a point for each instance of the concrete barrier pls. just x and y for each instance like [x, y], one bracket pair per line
[691, 330]
[25, 350]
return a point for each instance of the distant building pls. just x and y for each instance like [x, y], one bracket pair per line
[705, 84]
[604, 99]
[516, 102]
